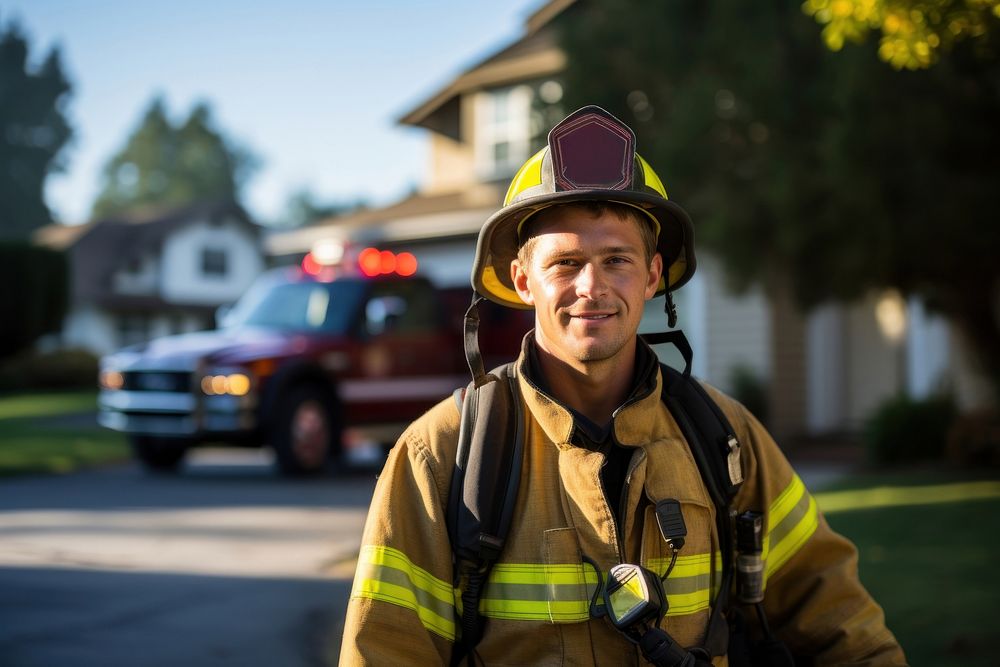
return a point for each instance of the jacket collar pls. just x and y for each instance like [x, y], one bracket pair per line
[632, 422]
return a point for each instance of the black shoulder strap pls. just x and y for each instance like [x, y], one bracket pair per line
[716, 450]
[483, 490]
[710, 436]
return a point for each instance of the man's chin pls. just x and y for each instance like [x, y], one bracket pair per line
[589, 351]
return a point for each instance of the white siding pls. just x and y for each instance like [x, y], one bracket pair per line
[90, 329]
[826, 379]
[928, 355]
[182, 278]
[725, 330]
[737, 328]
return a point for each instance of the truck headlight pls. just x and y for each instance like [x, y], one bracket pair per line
[111, 380]
[233, 384]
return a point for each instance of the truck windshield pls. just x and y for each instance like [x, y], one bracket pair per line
[305, 306]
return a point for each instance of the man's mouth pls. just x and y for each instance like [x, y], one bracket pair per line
[592, 316]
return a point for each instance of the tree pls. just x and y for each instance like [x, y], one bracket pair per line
[33, 132]
[163, 164]
[914, 32]
[304, 208]
[831, 171]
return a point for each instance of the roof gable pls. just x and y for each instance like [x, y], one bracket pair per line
[533, 55]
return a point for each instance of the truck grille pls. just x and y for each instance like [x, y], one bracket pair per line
[170, 381]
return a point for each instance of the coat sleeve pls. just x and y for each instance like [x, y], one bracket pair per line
[402, 605]
[814, 600]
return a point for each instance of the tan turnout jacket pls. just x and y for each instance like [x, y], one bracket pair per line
[402, 609]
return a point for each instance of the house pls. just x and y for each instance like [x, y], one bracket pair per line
[826, 371]
[137, 277]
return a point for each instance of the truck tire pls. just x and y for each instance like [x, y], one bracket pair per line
[158, 454]
[306, 435]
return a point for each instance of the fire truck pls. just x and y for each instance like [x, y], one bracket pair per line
[311, 359]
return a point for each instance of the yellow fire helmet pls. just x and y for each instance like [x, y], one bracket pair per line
[590, 156]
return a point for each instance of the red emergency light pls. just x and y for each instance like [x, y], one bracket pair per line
[310, 265]
[374, 262]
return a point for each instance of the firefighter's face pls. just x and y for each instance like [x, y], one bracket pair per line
[588, 279]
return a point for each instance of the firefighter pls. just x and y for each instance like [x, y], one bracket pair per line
[585, 237]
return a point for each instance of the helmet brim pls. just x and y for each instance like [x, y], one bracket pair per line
[498, 240]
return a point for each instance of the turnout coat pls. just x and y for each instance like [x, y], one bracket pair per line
[405, 603]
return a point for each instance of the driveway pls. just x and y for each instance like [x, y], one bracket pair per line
[224, 564]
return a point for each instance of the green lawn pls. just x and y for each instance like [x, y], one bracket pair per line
[35, 435]
[929, 543]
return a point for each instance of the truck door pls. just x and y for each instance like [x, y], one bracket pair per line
[409, 359]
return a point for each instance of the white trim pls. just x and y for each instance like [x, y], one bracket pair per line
[401, 389]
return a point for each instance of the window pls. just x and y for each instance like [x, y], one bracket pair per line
[502, 131]
[401, 308]
[213, 262]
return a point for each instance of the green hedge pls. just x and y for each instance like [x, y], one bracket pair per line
[904, 430]
[34, 294]
[751, 391]
[63, 369]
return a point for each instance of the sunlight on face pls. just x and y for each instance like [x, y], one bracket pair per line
[588, 279]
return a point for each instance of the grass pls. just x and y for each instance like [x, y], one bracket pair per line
[32, 439]
[928, 543]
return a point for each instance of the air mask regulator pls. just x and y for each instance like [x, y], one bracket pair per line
[635, 602]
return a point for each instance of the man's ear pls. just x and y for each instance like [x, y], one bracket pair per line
[519, 277]
[655, 272]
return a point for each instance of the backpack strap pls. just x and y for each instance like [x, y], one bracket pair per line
[483, 490]
[716, 449]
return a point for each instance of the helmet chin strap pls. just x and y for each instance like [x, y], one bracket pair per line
[670, 309]
[473, 357]
[674, 337]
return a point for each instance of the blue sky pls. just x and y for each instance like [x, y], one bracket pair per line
[313, 88]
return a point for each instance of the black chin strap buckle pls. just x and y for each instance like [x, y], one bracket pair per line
[670, 309]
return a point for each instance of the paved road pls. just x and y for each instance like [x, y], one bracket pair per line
[226, 564]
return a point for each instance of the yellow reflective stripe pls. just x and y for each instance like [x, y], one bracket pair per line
[792, 519]
[387, 575]
[541, 573]
[689, 587]
[570, 611]
[539, 591]
[528, 176]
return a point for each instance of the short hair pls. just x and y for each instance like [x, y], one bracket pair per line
[594, 209]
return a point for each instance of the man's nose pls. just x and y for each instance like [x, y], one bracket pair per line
[590, 282]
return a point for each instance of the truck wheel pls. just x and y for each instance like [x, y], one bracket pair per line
[307, 431]
[158, 454]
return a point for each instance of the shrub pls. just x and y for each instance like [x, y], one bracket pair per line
[904, 430]
[750, 390]
[61, 369]
[35, 294]
[974, 439]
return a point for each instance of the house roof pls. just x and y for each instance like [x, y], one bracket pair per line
[535, 54]
[417, 216]
[98, 249]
